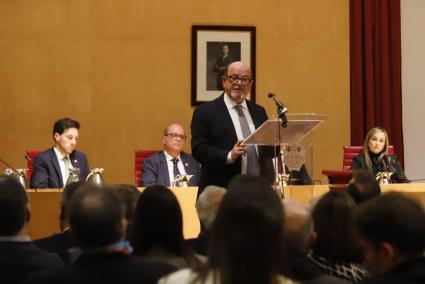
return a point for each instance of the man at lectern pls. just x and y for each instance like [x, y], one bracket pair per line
[218, 128]
[51, 168]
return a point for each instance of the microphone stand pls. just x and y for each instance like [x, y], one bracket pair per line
[281, 116]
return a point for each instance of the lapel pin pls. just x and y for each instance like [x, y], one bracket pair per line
[75, 161]
[186, 164]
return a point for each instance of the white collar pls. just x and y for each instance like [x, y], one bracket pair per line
[168, 157]
[21, 239]
[230, 104]
[59, 154]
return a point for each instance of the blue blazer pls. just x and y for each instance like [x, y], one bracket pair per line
[47, 173]
[155, 169]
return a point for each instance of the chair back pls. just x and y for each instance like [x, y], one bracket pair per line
[139, 158]
[31, 155]
[351, 151]
[339, 178]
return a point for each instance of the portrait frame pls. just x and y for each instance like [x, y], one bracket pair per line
[208, 38]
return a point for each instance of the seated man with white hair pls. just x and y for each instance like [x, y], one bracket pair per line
[206, 207]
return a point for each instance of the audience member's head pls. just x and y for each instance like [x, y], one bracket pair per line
[174, 139]
[96, 216]
[207, 204]
[247, 233]
[392, 229]
[67, 194]
[298, 230]
[129, 194]
[14, 211]
[158, 223]
[363, 186]
[333, 222]
[65, 134]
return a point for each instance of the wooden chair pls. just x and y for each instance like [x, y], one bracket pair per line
[31, 155]
[139, 158]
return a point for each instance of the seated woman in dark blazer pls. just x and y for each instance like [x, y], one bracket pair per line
[374, 157]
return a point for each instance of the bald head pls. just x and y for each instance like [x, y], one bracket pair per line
[238, 66]
[298, 225]
[173, 127]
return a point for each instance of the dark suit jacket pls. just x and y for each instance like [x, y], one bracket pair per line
[47, 173]
[200, 244]
[213, 137]
[359, 163]
[103, 268]
[155, 169]
[57, 243]
[411, 271]
[19, 260]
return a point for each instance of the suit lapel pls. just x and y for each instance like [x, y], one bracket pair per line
[74, 161]
[163, 169]
[254, 114]
[186, 163]
[55, 163]
[189, 167]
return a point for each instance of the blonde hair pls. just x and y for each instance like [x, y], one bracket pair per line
[365, 150]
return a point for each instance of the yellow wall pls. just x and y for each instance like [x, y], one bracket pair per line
[122, 68]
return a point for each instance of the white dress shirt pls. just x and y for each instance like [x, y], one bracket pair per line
[60, 157]
[236, 124]
[170, 165]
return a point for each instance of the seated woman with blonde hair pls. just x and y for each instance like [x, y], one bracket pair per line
[375, 158]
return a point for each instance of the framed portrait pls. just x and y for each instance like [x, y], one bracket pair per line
[213, 48]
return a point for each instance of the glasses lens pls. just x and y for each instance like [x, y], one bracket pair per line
[176, 136]
[235, 80]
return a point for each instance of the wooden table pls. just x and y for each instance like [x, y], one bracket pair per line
[45, 205]
[45, 209]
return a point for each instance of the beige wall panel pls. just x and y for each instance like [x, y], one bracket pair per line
[123, 69]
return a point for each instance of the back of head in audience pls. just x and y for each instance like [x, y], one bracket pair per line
[96, 216]
[363, 186]
[208, 203]
[298, 226]
[334, 227]
[392, 228]
[129, 194]
[67, 194]
[247, 233]
[14, 211]
[158, 223]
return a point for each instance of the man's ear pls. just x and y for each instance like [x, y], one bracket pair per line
[56, 136]
[123, 228]
[388, 251]
[312, 240]
[27, 215]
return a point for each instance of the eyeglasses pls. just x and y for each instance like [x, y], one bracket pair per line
[176, 136]
[236, 79]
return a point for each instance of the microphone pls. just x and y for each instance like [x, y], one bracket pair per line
[385, 160]
[36, 166]
[14, 170]
[281, 109]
